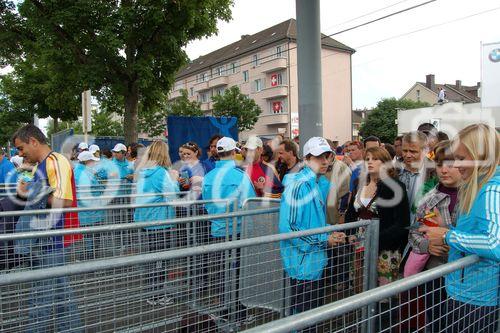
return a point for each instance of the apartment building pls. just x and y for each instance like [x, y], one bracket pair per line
[264, 67]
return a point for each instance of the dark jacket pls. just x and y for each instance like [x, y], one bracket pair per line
[393, 220]
[7, 226]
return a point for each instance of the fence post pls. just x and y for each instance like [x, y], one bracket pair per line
[373, 230]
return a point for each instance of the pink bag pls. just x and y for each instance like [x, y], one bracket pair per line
[415, 263]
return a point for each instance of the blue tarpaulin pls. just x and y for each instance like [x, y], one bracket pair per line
[199, 130]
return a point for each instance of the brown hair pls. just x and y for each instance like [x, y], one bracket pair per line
[354, 143]
[379, 153]
[290, 146]
[443, 152]
[193, 147]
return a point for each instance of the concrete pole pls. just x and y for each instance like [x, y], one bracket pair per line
[309, 69]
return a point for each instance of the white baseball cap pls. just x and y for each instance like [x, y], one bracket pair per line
[119, 147]
[226, 144]
[83, 146]
[17, 160]
[85, 156]
[94, 148]
[317, 146]
[253, 142]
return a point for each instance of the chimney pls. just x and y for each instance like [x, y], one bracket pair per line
[244, 36]
[458, 84]
[429, 82]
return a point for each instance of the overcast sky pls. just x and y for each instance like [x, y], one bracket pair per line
[385, 69]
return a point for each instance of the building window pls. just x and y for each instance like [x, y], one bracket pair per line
[204, 98]
[220, 71]
[220, 91]
[245, 76]
[279, 52]
[255, 60]
[258, 85]
[276, 79]
[191, 91]
[204, 77]
[178, 86]
[418, 95]
[277, 107]
[233, 67]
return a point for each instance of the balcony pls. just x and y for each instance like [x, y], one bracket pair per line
[206, 106]
[273, 92]
[273, 65]
[218, 81]
[201, 86]
[175, 94]
[274, 119]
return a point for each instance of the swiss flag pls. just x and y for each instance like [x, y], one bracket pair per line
[277, 107]
[274, 80]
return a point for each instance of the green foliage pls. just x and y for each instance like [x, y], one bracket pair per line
[102, 125]
[182, 106]
[381, 122]
[63, 125]
[128, 51]
[235, 104]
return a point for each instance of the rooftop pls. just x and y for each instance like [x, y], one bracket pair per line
[286, 30]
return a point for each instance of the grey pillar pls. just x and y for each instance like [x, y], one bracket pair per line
[309, 69]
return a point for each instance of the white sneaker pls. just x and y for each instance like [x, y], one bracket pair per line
[249, 319]
[165, 300]
[152, 301]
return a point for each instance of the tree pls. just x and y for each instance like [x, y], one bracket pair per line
[130, 48]
[103, 124]
[32, 89]
[381, 122]
[182, 106]
[153, 120]
[10, 121]
[235, 104]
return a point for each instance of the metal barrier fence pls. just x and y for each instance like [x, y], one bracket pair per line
[418, 303]
[111, 231]
[221, 285]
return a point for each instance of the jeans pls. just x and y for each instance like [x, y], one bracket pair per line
[307, 295]
[52, 297]
[468, 318]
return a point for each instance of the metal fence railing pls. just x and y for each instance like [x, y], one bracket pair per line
[213, 285]
[418, 303]
[115, 233]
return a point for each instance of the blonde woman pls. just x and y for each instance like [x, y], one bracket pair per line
[153, 177]
[474, 291]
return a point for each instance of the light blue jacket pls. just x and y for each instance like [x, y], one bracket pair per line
[8, 172]
[303, 207]
[226, 181]
[106, 169]
[154, 180]
[85, 176]
[478, 233]
[124, 168]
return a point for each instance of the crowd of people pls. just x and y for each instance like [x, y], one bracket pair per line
[436, 199]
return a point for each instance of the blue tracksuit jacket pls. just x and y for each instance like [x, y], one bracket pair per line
[226, 181]
[303, 207]
[478, 233]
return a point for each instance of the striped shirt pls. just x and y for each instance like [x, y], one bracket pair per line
[55, 170]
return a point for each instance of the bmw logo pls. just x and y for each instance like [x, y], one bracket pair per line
[494, 55]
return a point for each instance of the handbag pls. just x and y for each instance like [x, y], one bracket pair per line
[415, 263]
